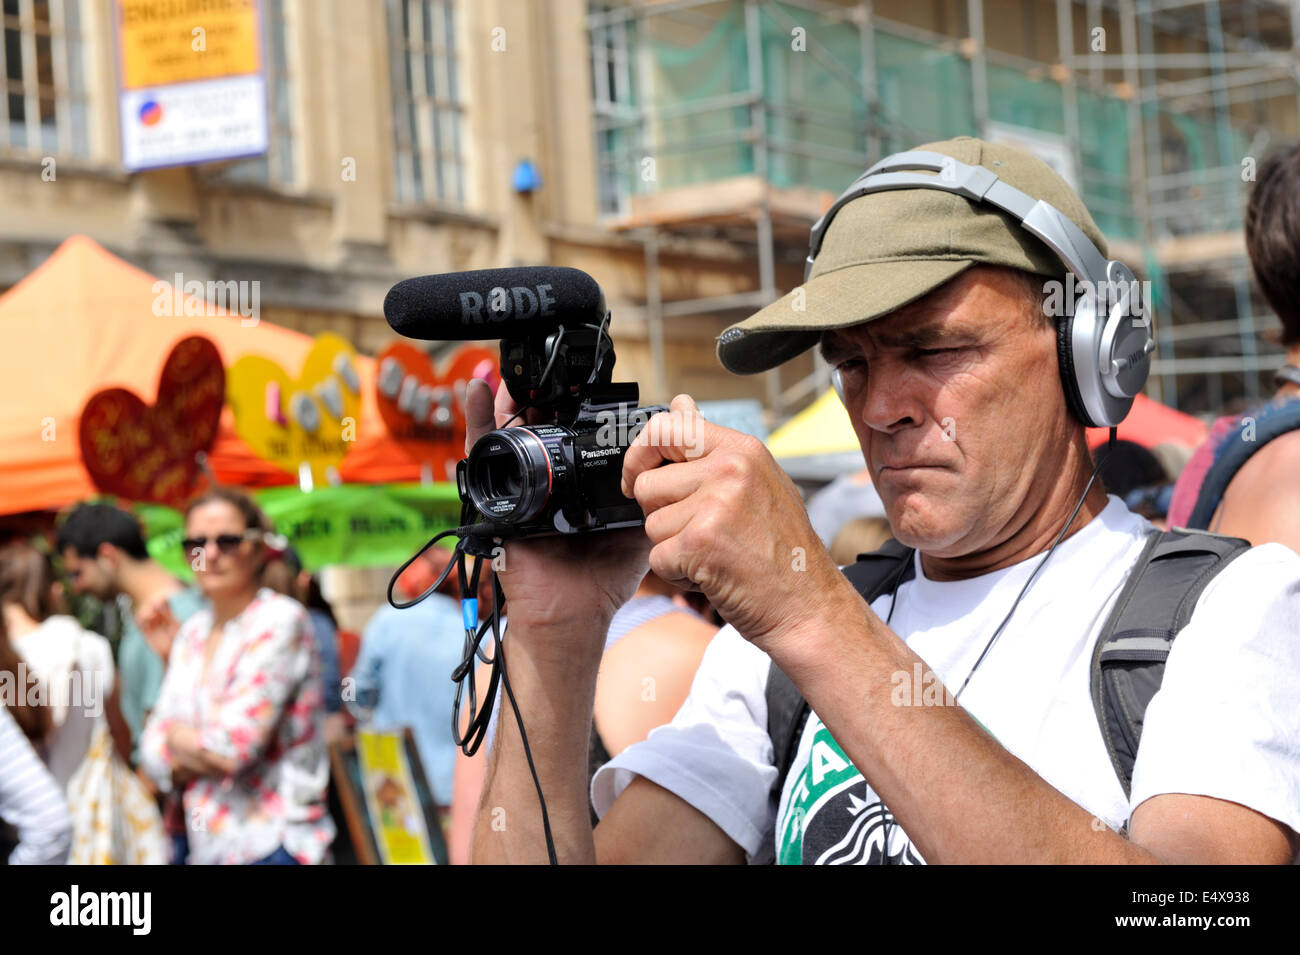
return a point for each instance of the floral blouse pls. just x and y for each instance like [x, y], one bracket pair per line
[261, 704]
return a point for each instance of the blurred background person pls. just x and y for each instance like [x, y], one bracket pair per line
[87, 748]
[652, 650]
[403, 672]
[55, 646]
[104, 554]
[35, 828]
[1137, 476]
[861, 535]
[847, 497]
[239, 724]
[31, 804]
[285, 574]
[1240, 482]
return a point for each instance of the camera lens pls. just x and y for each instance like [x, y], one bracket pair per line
[499, 475]
[509, 475]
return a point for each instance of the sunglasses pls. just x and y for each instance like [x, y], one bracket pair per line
[226, 543]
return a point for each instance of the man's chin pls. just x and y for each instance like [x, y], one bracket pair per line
[917, 523]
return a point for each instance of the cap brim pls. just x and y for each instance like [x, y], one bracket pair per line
[848, 296]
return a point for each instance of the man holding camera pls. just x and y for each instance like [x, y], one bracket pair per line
[950, 717]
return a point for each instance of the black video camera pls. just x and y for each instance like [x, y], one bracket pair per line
[558, 477]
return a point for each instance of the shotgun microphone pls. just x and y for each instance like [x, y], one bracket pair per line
[493, 303]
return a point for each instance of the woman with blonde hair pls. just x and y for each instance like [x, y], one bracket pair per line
[238, 727]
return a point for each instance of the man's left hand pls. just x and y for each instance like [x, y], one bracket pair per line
[727, 521]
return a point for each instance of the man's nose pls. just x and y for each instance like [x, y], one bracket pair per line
[889, 403]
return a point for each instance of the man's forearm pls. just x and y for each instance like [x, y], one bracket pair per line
[957, 792]
[555, 699]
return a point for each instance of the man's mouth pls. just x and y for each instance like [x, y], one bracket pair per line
[907, 466]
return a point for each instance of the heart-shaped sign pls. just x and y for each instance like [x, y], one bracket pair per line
[148, 452]
[424, 408]
[309, 420]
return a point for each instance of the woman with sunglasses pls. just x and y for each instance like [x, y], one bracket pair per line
[238, 727]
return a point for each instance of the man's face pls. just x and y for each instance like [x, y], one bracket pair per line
[957, 404]
[92, 575]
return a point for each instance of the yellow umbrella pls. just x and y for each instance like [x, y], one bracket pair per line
[818, 442]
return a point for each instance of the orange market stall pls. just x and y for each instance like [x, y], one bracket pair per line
[86, 322]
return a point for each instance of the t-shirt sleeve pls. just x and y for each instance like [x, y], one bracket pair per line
[716, 753]
[1225, 721]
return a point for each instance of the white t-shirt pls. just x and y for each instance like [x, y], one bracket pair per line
[76, 666]
[1225, 723]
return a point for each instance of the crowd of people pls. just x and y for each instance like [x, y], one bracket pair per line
[204, 737]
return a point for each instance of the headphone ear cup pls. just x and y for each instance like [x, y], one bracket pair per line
[1065, 362]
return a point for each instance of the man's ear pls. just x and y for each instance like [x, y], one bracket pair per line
[109, 552]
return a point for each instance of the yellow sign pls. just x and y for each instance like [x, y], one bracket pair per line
[177, 41]
[396, 817]
[311, 419]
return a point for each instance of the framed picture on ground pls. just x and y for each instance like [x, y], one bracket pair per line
[386, 799]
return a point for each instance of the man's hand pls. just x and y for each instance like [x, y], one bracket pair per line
[562, 592]
[727, 521]
[158, 625]
[560, 583]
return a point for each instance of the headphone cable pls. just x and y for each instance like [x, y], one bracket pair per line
[893, 600]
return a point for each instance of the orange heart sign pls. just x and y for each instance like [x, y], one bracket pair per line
[148, 452]
[311, 419]
[423, 408]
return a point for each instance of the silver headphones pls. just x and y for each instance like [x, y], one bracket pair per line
[1104, 344]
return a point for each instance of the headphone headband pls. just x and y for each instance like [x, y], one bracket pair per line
[978, 184]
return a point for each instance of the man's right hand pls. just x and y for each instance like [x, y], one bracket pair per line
[558, 585]
[158, 625]
[562, 592]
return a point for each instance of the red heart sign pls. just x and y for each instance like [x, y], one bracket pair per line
[421, 407]
[147, 453]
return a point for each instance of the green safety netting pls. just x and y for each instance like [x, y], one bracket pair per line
[674, 109]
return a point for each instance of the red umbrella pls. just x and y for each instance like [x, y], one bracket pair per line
[1150, 423]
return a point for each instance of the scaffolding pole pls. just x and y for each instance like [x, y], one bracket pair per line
[979, 79]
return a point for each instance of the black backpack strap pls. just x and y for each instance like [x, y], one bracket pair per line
[1128, 662]
[872, 576]
[1238, 449]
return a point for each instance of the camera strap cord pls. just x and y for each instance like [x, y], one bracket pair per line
[471, 539]
[465, 676]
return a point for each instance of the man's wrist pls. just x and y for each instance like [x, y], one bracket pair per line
[564, 643]
[813, 640]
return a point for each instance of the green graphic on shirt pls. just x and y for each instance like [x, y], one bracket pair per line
[826, 773]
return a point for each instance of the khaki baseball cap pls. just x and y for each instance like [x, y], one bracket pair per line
[886, 249]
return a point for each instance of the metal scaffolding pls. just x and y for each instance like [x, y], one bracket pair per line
[1155, 125]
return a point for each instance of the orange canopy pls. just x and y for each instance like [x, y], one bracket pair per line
[84, 321]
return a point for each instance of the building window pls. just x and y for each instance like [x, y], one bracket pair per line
[613, 96]
[428, 113]
[42, 62]
[277, 165]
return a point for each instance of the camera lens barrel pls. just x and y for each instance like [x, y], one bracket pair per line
[511, 472]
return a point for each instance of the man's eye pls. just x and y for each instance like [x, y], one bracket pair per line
[849, 364]
[928, 352]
